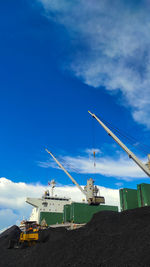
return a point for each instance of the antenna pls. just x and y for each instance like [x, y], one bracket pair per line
[52, 183]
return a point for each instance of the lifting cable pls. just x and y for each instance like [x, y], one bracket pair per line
[67, 165]
[129, 139]
[93, 143]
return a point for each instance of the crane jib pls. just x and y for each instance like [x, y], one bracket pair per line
[122, 145]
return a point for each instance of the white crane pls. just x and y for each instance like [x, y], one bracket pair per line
[90, 191]
[145, 168]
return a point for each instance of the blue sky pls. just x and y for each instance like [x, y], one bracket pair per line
[57, 61]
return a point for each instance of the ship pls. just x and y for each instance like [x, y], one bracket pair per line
[53, 210]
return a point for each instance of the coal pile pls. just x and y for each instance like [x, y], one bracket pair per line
[109, 239]
[11, 233]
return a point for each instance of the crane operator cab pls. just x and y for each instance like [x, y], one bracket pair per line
[91, 193]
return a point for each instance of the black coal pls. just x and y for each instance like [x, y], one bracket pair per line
[109, 239]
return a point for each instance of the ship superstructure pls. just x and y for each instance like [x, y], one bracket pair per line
[48, 207]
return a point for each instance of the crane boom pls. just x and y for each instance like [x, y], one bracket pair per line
[128, 151]
[72, 179]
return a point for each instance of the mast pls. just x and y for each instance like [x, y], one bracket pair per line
[128, 151]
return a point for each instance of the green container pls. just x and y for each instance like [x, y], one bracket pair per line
[82, 213]
[51, 217]
[66, 214]
[128, 199]
[143, 192]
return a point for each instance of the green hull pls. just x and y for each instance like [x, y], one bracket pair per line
[143, 193]
[51, 217]
[76, 212]
[83, 213]
[128, 199]
[66, 214]
[132, 198]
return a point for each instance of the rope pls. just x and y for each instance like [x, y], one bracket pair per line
[129, 139]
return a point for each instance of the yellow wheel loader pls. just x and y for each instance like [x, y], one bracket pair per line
[30, 235]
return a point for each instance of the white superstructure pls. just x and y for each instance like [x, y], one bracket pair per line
[47, 203]
[34, 215]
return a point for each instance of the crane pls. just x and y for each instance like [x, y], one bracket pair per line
[90, 191]
[144, 167]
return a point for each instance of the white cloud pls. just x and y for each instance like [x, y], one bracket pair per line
[12, 201]
[7, 218]
[116, 43]
[119, 166]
